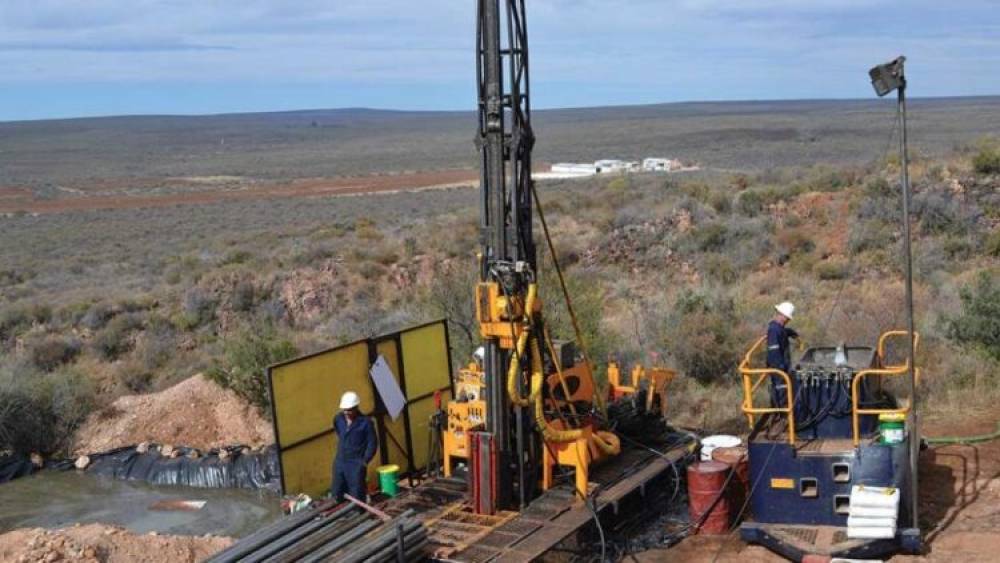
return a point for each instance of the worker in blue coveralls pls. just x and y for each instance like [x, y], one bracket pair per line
[778, 351]
[355, 449]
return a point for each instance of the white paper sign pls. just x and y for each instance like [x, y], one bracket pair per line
[388, 389]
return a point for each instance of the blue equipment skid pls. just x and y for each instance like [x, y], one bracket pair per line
[801, 486]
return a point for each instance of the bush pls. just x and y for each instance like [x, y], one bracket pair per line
[97, 316]
[987, 160]
[711, 237]
[869, 236]
[878, 187]
[702, 338]
[157, 344]
[40, 412]
[198, 308]
[17, 319]
[116, 338]
[978, 326]
[992, 247]
[245, 357]
[244, 296]
[832, 270]
[52, 352]
[941, 214]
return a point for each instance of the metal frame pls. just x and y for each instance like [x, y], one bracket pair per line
[505, 140]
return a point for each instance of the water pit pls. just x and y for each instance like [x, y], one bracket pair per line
[55, 499]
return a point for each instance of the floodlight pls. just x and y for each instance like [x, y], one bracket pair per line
[887, 77]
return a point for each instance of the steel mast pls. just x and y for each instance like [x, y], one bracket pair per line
[505, 140]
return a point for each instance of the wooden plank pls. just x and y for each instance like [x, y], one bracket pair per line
[562, 526]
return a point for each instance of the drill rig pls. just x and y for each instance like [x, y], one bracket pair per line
[527, 408]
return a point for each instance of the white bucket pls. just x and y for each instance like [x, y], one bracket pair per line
[709, 443]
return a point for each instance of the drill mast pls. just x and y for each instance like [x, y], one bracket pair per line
[508, 257]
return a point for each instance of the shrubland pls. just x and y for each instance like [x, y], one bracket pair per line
[678, 269]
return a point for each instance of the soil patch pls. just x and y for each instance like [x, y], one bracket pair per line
[196, 412]
[191, 191]
[105, 544]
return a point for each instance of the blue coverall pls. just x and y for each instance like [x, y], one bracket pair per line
[355, 449]
[778, 357]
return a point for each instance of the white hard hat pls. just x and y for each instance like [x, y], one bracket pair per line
[786, 309]
[349, 400]
[480, 353]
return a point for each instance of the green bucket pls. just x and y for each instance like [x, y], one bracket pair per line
[387, 480]
[892, 428]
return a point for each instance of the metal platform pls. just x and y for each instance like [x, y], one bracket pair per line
[456, 534]
[796, 541]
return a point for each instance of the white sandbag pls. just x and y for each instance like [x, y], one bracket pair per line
[884, 532]
[865, 522]
[875, 497]
[872, 512]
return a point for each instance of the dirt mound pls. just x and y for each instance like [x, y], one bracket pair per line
[196, 412]
[105, 544]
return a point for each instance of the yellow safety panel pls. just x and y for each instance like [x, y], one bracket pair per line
[308, 466]
[425, 359]
[307, 392]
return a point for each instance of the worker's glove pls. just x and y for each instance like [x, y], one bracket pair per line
[791, 333]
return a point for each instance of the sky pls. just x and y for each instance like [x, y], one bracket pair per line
[69, 58]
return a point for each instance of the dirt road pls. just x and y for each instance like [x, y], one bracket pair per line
[159, 192]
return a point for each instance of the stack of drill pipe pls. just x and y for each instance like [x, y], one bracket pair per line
[382, 545]
[275, 530]
[347, 534]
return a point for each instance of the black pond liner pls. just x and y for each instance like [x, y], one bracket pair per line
[14, 466]
[235, 470]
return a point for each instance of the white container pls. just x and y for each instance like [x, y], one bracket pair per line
[874, 497]
[709, 443]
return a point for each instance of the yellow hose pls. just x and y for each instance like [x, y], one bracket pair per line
[522, 340]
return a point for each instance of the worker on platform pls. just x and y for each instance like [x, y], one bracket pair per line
[778, 350]
[355, 448]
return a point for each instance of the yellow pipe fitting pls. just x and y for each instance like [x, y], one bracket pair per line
[522, 340]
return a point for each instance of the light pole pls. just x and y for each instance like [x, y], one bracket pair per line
[886, 78]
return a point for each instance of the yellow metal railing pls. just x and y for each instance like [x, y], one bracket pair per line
[898, 369]
[750, 386]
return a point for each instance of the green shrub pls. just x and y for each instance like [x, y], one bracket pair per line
[878, 187]
[992, 246]
[198, 308]
[721, 202]
[116, 338]
[15, 320]
[870, 236]
[244, 296]
[750, 203]
[832, 270]
[978, 326]
[702, 338]
[245, 357]
[40, 412]
[51, 352]
[987, 160]
[710, 237]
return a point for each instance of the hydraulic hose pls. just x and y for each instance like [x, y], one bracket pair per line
[964, 439]
[522, 341]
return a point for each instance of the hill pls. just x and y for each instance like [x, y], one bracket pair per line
[87, 153]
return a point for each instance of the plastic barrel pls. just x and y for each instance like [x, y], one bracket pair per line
[739, 485]
[705, 485]
[387, 480]
[709, 443]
